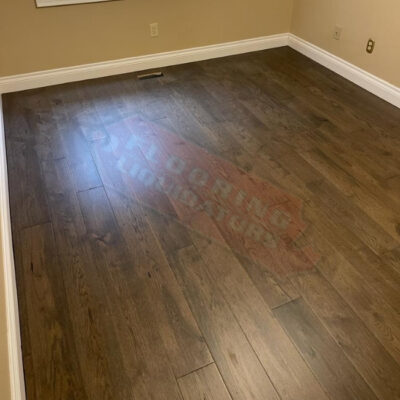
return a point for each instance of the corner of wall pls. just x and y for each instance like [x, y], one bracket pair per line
[291, 17]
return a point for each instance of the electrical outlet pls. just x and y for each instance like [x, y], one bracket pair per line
[154, 29]
[370, 46]
[337, 33]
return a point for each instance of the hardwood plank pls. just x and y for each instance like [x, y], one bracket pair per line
[182, 339]
[328, 362]
[144, 357]
[49, 321]
[205, 383]
[26, 346]
[240, 368]
[26, 194]
[372, 361]
[339, 208]
[268, 285]
[381, 209]
[392, 258]
[325, 236]
[85, 289]
[226, 341]
[366, 300]
[284, 366]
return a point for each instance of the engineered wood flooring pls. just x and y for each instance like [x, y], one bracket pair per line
[230, 230]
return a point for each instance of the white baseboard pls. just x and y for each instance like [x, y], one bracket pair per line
[89, 71]
[372, 83]
[17, 384]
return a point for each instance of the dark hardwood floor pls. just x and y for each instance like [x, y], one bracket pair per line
[228, 231]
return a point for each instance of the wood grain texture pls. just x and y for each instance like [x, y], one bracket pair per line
[131, 285]
[328, 362]
[242, 371]
[54, 346]
[205, 383]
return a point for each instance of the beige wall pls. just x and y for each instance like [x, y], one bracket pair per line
[4, 372]
[314, 20]
[34, 39]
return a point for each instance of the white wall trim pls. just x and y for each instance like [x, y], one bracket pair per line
[89, 71]
[17, 384]
[360, 77]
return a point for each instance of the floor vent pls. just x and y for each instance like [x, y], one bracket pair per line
[151, 75]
